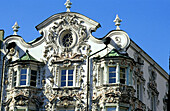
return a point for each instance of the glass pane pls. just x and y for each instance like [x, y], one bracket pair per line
[14, 83]
[33, 83]
[122, 70]
[63, 78]
[15, 78]
[15, 73]
[112, 109]
[22, 82]
[63, 72]
[70, 83]
[122, 81]
[63, 84]
[70, 72]
[23, 76]
[112, 80]
[23, 71]
[112, 69]
[33, 78]
[112, 75]
[33, 72]
[70, 77]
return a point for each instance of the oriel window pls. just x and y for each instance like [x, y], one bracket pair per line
[23, 76]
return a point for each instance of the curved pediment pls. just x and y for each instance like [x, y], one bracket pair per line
[93, 24]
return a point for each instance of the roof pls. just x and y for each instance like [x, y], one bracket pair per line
[27, 57]
[115, 53]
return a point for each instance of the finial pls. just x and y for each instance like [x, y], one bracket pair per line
[68, 5]
[117, 22]
[15, 28]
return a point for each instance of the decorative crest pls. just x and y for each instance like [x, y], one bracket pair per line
[15, 28]
[68, 5]
[117, 22]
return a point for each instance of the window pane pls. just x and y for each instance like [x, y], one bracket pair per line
[63, 84]
[22, 82]
[112, 80]
[112, 69]
[63, 78]
[70, 77]
[33, 83]
[33, 72]
[33, 78]
[70, 83]
[122, 70]
[23, 76]
[70, 71]
[63, 72]
[112, 75]
[122, 81]
[112, 109]
[23, 71]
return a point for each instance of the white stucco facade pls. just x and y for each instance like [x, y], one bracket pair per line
[51, 72]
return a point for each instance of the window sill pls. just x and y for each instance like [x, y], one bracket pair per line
[67, 87]
[26, 87]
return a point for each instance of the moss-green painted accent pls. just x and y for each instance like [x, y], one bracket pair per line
[115, 53]
[26, 57]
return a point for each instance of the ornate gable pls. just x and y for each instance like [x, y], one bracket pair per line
[66, 35]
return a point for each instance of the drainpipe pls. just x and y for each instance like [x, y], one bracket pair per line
[106, 42]
[9, 46]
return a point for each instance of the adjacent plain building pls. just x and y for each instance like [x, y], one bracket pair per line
[68, 69]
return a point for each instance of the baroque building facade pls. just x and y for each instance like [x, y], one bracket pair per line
[68, 69]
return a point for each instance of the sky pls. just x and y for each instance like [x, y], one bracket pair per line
[147, 22]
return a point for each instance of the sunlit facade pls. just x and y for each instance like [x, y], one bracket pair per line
[51, 72]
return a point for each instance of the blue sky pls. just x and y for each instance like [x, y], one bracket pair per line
[146, 21]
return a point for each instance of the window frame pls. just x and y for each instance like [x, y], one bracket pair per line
[118, 74]
[112, 73]
[14, 82]
[67, 77]
[109, 107]
[23, 74]
[31, 75]
[123, 74]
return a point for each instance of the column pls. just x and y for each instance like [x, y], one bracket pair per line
[117, 73]
[118, 108]
[28, 76]
[127, 75]
[74, 75]
[105, 74]
[18, 76]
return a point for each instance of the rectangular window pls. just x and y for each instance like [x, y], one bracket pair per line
[33, 78]
[122, 75]
[138, 90]
[14, 78]
[112, 74]
[23, 76]
[67, 78]
[111, 109]
[153, 105]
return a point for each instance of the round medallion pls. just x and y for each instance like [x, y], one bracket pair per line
[67, 40]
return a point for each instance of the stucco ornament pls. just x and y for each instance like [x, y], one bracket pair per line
[66, 39]
[119, 40]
